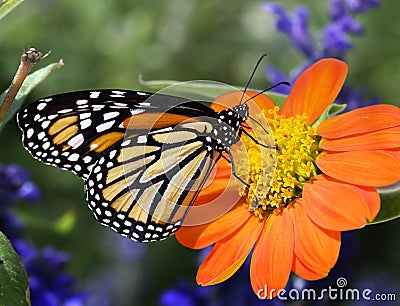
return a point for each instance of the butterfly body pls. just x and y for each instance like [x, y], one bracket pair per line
[144, 157]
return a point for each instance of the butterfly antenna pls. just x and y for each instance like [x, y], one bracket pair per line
[265, 90]
[251, 76]
[259, 93]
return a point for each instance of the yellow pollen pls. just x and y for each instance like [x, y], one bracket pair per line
[276, 175]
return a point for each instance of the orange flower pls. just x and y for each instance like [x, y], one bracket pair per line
[324, 183]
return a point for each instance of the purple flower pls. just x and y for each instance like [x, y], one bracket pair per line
[338, 8]
[334, 41]
[185, 295]
[334, 37]
[295, 26]
[355, 97]
[15, 185]
[48, 282]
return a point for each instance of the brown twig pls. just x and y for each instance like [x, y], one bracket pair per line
[28, 59]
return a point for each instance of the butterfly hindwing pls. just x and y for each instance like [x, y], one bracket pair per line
[144, 190]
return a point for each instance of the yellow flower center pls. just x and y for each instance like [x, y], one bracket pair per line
[296, 150]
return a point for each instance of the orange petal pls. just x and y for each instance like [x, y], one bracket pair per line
[201, 236]
[361, 120]
[231, 99]
[394, 152]
[335, 206]
[213, 191]
[370, 195]
[315, 89]
[215, 186]
[316, 248]
[229, 254]
[372, 199]
[218, 180]
[273, 255]
[304, 272]
[366, 168]
[382, 139]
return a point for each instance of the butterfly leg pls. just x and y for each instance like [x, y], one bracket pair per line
[230, 160]
[242, 130]
[252, 206]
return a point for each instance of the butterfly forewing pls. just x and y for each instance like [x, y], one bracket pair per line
[70, 131]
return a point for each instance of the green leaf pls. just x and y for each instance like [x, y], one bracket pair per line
[8, 6]
[195, 90]
[330, 111]
[14, 286]
[200, 90]
[29, 84]
[390, 203]
[278, 98]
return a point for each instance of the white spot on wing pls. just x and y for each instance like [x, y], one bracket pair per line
[45, 124]
[87, 159]
[76, 141]
[46, 145]
[73, 157]
[65, 111]
[84, 116]
[85, 123]
[117, 94]
[41, 106]
[142, 139]
[81, 102]
[98, 107]
[112, 154]
[125, 143]
[110, 115]
[94, 94]
[29, 133]
[41, 135]
[105, 126]
[136, 111]
[120, 104]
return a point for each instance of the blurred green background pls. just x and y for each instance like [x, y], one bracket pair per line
[107, 44]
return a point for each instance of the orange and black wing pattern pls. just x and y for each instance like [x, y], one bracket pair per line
[144, 157]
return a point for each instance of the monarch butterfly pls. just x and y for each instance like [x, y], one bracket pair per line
[143, 157]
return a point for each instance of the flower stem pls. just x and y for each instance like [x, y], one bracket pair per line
[28, 60]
